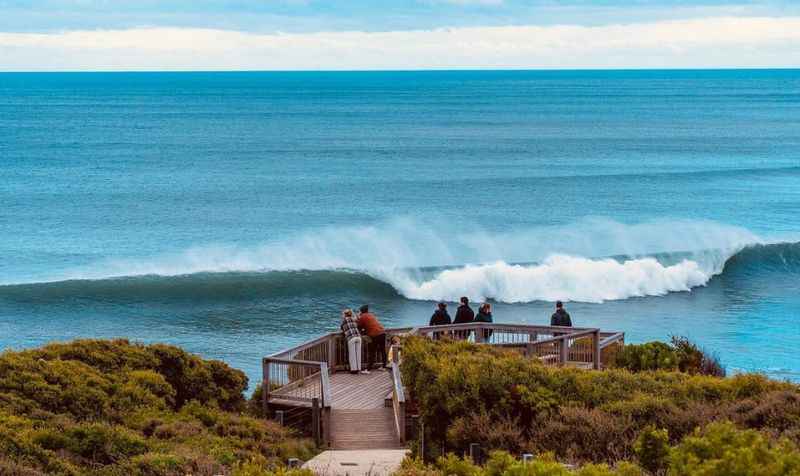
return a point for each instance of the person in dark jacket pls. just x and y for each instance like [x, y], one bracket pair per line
[464, 315]
[485, 315]
[560, 317]
[440, 317]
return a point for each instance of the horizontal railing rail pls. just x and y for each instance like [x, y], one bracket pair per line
[295, 380]
[609, 338]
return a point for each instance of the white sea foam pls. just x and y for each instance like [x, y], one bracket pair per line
[560, 277]
[567, 262]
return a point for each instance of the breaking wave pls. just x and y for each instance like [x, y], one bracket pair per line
[592, 261]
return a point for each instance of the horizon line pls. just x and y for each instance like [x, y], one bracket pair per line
[410, 70]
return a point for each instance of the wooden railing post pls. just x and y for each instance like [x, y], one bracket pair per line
[265, 386]
[596, 349]
[325, 384]
[315, 420]
[479, 334]
[332, 353]
[564, 350]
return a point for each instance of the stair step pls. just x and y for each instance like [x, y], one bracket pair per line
[365, 445]
[364, 429]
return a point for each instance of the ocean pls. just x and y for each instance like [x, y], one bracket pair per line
[235, 214]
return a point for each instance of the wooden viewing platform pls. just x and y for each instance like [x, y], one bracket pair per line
[308, 386]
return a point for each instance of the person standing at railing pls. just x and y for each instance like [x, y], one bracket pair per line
[440, 317]
[464, 315]
[560, 317]
[352, 335]
[485, 315]
[373, 329]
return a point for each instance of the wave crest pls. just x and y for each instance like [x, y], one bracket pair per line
[561, 277]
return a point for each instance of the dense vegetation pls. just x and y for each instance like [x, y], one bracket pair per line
[680, 422]
[680, 354]
[110, 407]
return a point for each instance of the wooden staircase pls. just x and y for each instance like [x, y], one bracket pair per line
[363, 429]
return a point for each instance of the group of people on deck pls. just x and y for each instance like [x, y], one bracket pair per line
[365, 329]
[465, 315]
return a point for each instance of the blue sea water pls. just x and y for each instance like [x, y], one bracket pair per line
[236, 213]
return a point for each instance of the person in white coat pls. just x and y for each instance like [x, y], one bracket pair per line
[352, 335]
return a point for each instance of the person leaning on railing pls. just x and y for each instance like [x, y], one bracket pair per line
[352, 335]
[373, 329]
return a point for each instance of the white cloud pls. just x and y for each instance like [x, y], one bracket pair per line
[707, 42]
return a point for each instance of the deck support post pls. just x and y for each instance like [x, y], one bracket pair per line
[475, 453]
[422, 441]
[265, 386]
[315, 421]
[596, 352]
[479, 334]
[326, 426]
[402, 417]
[564, 351]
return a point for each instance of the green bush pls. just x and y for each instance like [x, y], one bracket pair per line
[680, 354]
[652, 449]
[111, 407]
[649, 356]
[722, 450]
[503, 464]
[501, 400]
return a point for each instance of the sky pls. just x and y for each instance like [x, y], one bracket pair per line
[82, 35]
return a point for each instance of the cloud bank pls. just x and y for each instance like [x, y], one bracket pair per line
[695, 43]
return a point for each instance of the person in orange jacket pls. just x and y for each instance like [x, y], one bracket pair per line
[370, 327]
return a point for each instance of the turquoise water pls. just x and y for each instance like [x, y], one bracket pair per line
[237, 213]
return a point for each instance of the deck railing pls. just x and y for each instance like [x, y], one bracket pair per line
[300, 376]
[300, 365]
[552, 345]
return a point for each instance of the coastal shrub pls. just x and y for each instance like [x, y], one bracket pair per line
[680, 354]
[468, 393]
[501, 463]
[721, 449]
[652, 449]
[718, 450]
[777, 412]
[584, 434]
[487, 431]
[649, 356]
[112, 407]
